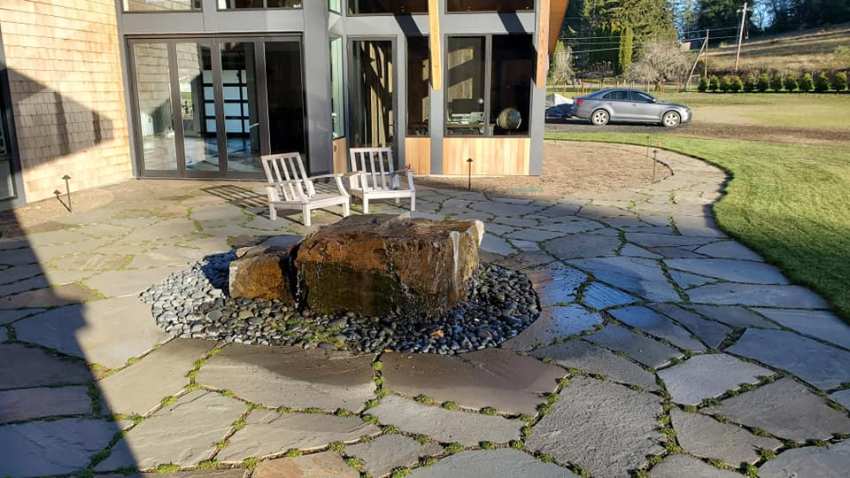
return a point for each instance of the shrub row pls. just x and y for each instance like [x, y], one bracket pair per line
[805, 83]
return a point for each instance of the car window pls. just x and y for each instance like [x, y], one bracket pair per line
[618, 95]
[639, 97]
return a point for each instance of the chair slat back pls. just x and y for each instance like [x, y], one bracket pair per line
[378, 163]
[286, 172]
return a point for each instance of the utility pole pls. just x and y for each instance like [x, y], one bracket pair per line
[705, 60]
[741, 35]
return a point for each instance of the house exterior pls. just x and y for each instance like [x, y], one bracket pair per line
[105, 90]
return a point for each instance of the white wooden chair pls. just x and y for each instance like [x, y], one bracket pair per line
[290, 187]
[372, 177]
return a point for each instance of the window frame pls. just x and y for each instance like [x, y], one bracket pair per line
[488, 86]
[346, 7]
[258, 9]
[478, 12]
[157, 12]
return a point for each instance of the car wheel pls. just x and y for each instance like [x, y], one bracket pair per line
[600, 117]
[671, 119]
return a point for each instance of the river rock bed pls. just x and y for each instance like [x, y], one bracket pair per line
[194, 304]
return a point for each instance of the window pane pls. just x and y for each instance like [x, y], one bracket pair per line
[337, 88]
[242, 123]
[156, 121]
[365, 7]
[618, 95]
[286, 97]
[372, 94]
[197, 106]
[510, 94]
[418, 83]
[7, 189]
[335, 6]
[465, 95]
[161, 5]
[489, 5]
[235, 4]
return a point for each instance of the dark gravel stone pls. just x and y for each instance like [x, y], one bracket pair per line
[194, 304]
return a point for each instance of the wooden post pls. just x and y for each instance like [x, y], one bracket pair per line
[543, 14]
[436, 43]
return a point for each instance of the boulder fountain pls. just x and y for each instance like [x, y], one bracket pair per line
[365, 283]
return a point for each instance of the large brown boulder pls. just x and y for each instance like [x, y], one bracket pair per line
[375, 264]
[265, 271]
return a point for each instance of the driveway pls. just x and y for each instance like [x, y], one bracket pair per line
[664, 349]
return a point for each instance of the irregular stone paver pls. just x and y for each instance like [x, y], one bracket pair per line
[107, 332]
[651, 353]
[141, 386]
[55, 447]
[268, 432]
[729, 250]
[554, 323]
[120, 283]
[678, 466]
[605, 428]
[642, 277]
[786, 409]
[590, 358]
[816, 323]
[30, 403]
[811, 462]
[533, 235]
[654, 324]
[710, 332]
[821, 365]
[386, 452]
[733, 316]
[708, 376]
[632, 250]
[233, 473]
[600, 296]
[490, 464]
[9, 316]
[22, 366]
[56, 296]
[495, 378]
[583, 246]
[665, 240]
[496, 245]
[319, 465]
[556, 284]
[730, 270]
[444, 425]
[792, 296]
[291, 376]
[707, 438]
[842, 397]
[687, 280]
[183, 433]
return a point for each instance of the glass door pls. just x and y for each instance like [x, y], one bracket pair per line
[373, 93]
[211, 107]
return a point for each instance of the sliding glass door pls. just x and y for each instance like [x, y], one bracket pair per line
[211, 107]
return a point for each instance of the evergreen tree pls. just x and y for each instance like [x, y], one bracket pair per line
[626, 49]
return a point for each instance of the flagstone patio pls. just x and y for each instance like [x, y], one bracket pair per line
[664, 349]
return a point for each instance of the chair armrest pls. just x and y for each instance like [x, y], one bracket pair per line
[325, 176]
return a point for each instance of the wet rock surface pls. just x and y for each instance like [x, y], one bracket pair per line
[378, 264]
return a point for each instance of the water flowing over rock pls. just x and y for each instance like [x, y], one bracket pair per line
[382, 263]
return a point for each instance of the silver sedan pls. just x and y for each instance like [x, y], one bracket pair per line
[620, 104]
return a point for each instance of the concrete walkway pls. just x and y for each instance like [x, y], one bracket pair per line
[665, 349]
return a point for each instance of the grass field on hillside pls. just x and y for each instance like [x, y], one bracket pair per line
[790, 202]
[804, 50]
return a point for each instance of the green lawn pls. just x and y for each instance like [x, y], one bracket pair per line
[790, 202]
